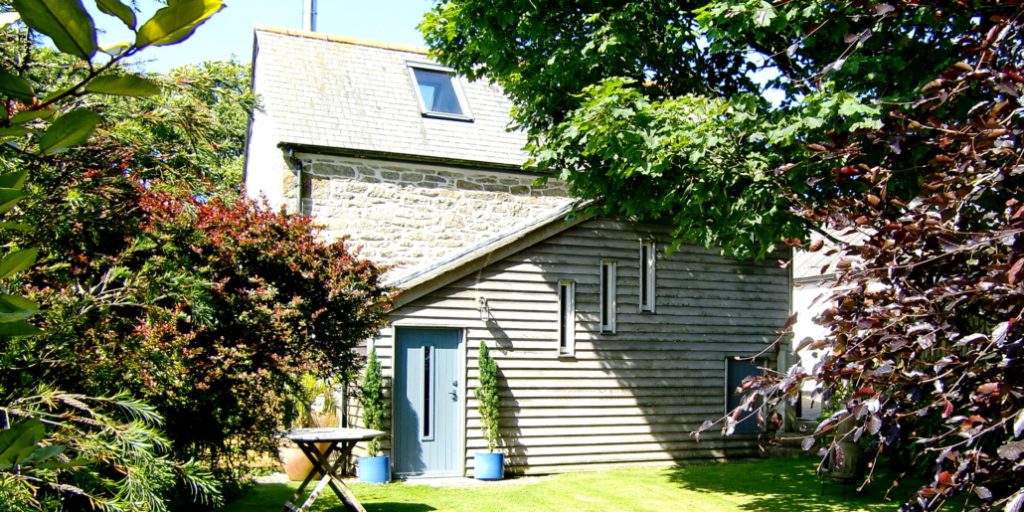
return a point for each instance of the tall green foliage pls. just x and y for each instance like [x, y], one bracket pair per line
[206, 307]
[193, 131]
[488, 400]
[371, 398]
[752, 125]
[65, 451]
[63, 448]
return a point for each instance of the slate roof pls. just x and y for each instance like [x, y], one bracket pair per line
[337, 92]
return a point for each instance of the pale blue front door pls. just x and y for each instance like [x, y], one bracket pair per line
[428, 392]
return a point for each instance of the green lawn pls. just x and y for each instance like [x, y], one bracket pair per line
[758, 486]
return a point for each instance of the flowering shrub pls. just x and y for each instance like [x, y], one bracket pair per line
[207, 309]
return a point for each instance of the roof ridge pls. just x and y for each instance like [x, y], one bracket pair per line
[340, 39]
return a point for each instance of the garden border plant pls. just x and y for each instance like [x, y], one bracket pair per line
[490, 465]
[374, 468]
[59, 449]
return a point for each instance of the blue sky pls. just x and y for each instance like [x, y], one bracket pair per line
[229, 33]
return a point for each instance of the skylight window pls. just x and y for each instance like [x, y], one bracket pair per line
[439, 92]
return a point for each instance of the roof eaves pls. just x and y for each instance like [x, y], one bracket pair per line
[298, 147]
[420, 283]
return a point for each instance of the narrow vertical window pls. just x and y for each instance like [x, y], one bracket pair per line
[608, 296]
[566, 318]
[647, 264]
[428, 353]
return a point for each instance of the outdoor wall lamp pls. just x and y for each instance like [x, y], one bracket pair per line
[485, 310]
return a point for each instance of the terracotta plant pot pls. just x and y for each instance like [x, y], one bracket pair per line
[295, 463]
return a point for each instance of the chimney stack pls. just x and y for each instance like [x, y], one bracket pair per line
[309, 15]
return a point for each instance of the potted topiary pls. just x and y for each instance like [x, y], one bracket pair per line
[373, 468]
[489, 465]
[312, 403]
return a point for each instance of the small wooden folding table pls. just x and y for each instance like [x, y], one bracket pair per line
[339, 441]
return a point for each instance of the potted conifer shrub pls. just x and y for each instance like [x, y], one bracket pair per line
[489, 465]
[373, 468]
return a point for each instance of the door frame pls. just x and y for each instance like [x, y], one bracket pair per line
[462, 374]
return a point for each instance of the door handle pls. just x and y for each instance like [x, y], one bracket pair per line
[453, 393]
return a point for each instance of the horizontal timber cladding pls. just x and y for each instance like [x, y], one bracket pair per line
[632, 397]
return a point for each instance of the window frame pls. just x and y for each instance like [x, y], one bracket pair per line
[647, 280]
[460, 96]
[566, 318]
[607, 305]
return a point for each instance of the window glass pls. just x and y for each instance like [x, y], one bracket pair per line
[437, 91]
[566, 318]
[608, 296]
[647, 264]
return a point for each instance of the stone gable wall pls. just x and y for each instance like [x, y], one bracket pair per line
[409, 215]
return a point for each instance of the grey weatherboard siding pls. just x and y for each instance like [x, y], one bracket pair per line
[632, 397]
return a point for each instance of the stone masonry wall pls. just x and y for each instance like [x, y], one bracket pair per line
[410, 215]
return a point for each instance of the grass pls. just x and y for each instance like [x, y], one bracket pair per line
[756, 486]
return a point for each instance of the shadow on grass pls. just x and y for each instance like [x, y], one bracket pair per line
[398, 507]
[273, 497]
[783, 485]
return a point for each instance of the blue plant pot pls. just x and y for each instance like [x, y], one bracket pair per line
[489, 466]
[374, 470]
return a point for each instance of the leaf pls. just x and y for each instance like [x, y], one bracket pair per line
[9, 197]
[18, 226]
[116, 8]
[124, 85]
[68, 130]
[66, 22]
[43, 454]
[1011, 451]
[1014, 272]
[17, 261]
[1016, 502]
[176, 22]
[19, 441]
[17, 131]
[14, 179]
[18, 328]
[764, 16]
[14, 308]
[807, 443]
[31, 115]
[115, 49]
[16, 87]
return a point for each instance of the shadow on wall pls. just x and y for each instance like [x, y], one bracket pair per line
[637, 394]
[511, 443]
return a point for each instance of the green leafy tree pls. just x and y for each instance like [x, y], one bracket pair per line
[751, 125]
[62, 448]
[60, 451]
[371, 398]
[205, 307]
[488, 398]
[193, 131]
